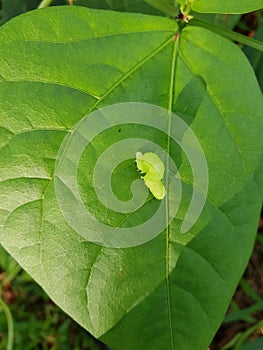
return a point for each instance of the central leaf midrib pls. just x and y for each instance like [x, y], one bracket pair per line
[167, 260]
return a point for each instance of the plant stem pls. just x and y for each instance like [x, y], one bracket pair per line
[229, 34]
[14, 272]
[44, 3]
[247, 333]
[10, 324]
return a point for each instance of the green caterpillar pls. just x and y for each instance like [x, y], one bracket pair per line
[153, 168]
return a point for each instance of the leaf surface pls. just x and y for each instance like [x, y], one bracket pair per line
[233, 6]
[139, 6]
[51, 75]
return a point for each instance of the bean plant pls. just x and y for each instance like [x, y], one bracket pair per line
[84, 94]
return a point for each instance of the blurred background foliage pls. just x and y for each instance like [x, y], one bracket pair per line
[34, 322]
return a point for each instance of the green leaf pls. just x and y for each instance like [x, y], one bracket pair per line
[51, 75]
[166, 6]
[233, 6]
[140, 6]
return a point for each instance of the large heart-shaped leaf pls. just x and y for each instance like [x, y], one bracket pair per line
[59, 64]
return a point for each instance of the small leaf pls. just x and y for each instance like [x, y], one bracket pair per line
[150, 164]
[233, 6]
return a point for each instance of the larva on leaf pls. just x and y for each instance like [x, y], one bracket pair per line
[153, 168]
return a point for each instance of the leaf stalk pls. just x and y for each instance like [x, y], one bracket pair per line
[10, 324]
[229, 34]
[44, 3]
